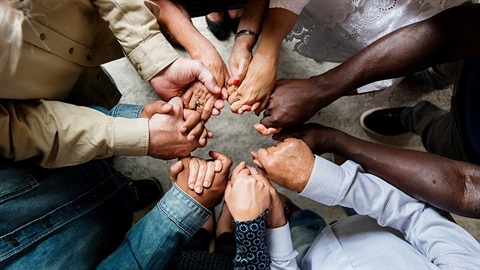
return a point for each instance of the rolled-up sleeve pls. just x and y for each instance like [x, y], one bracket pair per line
[135, 26]
[61, 134]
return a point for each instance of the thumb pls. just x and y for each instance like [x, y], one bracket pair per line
[175, 169]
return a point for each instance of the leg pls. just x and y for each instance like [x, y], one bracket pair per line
[65, 218]
[305, 226]
[225, 243]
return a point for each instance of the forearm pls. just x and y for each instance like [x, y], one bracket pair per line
[250, 254]
[61, 134]
[177, 25]
[450, 35]
[151, 242]
[443, 242]
[278, 23]
[252, 19]
[135, 26]
[447, 184]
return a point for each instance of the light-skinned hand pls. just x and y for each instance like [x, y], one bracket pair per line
[289, 163]
[180, 172]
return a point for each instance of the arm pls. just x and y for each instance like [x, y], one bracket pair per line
[262, 71]
[252, 19]
[447, 184]
[176, 23]
[447, 36]
[60, 141]
[444, 243]
[178, 215]
[159, 233]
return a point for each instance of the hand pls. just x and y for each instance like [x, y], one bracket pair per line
[239, 62]
[289, 163]
[180, 173]
[174, 79]
[209, 103]
[246, 197]
[152, 108]
[202, 172]
[213, 61]
[256, 87]
[319, 138]
[293, 102]
[177, 133]
[276, 216]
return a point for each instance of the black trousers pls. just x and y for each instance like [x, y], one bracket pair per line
[454, 134]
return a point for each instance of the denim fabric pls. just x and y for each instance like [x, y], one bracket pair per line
[305, 226]
[66, 218]
[153, 240]
[121, 110]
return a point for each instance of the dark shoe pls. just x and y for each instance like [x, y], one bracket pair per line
[384, 122]
[147, 192]
[219, 29]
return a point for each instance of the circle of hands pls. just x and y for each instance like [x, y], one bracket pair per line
[194, 95]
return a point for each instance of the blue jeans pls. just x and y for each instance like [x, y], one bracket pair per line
[65, 218]
[305, 226]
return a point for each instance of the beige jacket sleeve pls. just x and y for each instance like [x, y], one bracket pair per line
[61, 134]
[135, 26]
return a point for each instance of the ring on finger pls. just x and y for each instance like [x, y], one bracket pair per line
[200, 103]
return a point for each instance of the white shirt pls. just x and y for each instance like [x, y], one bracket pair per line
[425, 239]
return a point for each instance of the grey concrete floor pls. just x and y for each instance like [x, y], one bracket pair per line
[235, 136]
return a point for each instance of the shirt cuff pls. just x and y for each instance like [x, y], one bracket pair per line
[279, 243]
[154, 55]
[130, 137]
[326, 182]
[183, 210]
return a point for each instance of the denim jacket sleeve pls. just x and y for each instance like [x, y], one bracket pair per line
[252, 252]
[152, 241]
[122, 110]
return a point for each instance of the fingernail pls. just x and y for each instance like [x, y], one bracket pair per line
[236, 82]
[198, 189]
[192, 186]
[205, 184]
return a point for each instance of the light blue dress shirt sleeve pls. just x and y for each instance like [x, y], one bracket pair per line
[152, 241]
[443, 243]
[280, 247]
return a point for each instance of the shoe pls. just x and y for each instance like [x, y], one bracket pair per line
[382, 121]
[219, 29]
[147, 191]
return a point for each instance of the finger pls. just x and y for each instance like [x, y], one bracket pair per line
[242, 71]
[192, 176]
[259, 177]
[197, 93]
[226, 161]
[255, 106]
[208, 108]
[235, 105]
[215, 112]
[187, 97]
[286, 133]
[210, 173]
[207, 78]
[237, 170]
[231, 90]
[175, 169]
[196, 132]
[219, 104]
[223, 94]
[266, 131]
[244, 108]
[202, 169]
[203, 138]
[217, 166]
[192, 119]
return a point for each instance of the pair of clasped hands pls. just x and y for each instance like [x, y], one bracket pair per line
[177, 127]
[248, 192]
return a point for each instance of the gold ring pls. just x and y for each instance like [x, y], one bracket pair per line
[200, 103]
